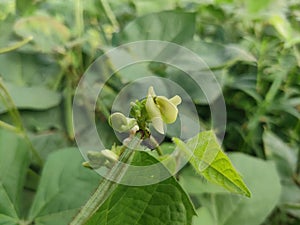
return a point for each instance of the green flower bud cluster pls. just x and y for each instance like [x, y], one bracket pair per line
[153, 109]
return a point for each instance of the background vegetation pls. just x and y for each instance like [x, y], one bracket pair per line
[251, 46]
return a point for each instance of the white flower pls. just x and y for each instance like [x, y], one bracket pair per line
[161, 109]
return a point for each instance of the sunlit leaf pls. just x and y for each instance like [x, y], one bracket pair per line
[225, 209]
[208, 159]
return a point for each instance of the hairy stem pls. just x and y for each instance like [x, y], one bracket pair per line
[108, 184]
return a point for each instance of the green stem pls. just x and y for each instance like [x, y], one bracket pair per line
[58, 79]
[79, 18]
[159, 151]
[16, 45]
[110, 15]
[107, 185]
[9, 127]
[68, 109]
[157, 147]
[80, 29]
[104, 34]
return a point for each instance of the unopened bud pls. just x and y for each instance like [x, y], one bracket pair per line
[121, 123]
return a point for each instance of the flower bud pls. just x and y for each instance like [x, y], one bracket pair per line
[110, 155]
[154, 113]
[97, 159]
[121, 123]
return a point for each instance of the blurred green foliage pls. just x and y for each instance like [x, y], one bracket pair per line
[253, 48]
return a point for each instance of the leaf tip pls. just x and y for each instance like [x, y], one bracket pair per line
[247, 193]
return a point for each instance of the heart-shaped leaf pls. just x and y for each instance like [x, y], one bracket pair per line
[163, 203]
[14, 160]
[64, 187]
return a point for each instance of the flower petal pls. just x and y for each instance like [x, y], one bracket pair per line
[151, 91]
[152, 108]
[176, 100]
[158, 124]
[167, 109]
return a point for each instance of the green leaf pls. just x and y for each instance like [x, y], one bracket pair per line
[7, 208]
[214, 56]
[256, 6]
[164, 203]
[6, 220]
[262, 178]
[194, 184]
[204, 217]
[26, 6]
[208, 159]
[36, 97]
[170, 26]
[282, 26]
[284, 156]
[5, 28]
[48, 142]
[151, 6]
[43, 121]
[290, 197]
[14, 160]
[7, 8]
[48, 34]
[28, 69]
[64, 187]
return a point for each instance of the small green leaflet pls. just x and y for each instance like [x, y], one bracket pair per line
[208, 159]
